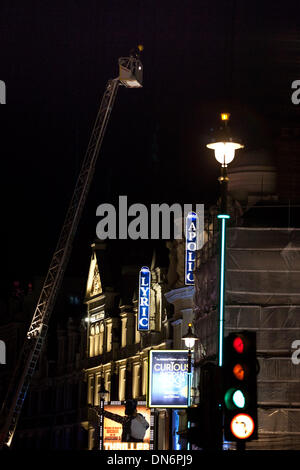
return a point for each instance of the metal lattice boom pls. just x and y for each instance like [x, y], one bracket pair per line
[36, 334]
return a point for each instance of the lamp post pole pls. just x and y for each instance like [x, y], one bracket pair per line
[102, 394]
[189, 340]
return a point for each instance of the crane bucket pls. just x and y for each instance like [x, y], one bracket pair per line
[131, 72]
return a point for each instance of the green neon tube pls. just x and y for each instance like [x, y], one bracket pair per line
[223, 217]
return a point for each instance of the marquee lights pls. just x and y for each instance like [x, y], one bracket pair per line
[144, 299]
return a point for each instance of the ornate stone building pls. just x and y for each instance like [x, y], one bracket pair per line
[116, 350]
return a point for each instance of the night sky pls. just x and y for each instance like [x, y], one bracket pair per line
[200, 57]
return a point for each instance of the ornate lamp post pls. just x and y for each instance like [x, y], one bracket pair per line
[224, 147]
[102, 395]
[189, 340]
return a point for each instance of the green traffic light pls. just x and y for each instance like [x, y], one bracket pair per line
[235, 398]
[239, 399]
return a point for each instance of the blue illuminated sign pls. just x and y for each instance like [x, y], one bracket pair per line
[168, 379]
[144, 299]
[191, 238]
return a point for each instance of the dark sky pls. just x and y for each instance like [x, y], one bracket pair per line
[199, 58]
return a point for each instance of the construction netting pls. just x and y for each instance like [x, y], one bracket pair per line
[262, 295]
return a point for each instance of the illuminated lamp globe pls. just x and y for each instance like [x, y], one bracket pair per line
[224, 145]
[190, 338]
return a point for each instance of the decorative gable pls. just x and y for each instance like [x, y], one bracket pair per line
[94, 286]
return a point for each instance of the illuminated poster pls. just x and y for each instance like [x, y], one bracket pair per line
[168, 379]
[144, 299]
[127, 431]
[191, 246]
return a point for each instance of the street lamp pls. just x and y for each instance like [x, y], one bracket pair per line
[189, 340]
[102, 395]
[224, 147]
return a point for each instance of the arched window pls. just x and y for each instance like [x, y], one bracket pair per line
[92, 341]
[101, 339]
[97, 334]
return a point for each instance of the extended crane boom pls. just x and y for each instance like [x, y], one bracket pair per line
[130, 75]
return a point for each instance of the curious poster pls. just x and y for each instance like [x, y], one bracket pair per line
[168, 379]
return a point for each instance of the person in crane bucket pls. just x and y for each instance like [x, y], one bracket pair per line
[133, 423]
[136, 52]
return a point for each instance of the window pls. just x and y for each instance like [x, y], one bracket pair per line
[137, 333]
[92, 341]
[101, 339]
[122, 383]
[97, 337]
[124, 332]
[61, 350]
[98, 384]
[108, 337]
[145, 377]
[91, 388]
[136, 381]
[107, 383]
[91, 438]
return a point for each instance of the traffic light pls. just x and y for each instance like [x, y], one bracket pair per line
[239, 386]
[194, 430]
[205, 419]
[210, 397]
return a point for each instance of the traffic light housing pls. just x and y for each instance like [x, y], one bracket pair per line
[194, 431]
[240, 386]
[210, 398]
[205, 419]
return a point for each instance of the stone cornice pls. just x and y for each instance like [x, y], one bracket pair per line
[182, 293]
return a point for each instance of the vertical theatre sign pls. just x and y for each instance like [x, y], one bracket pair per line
[144, 299]
[191, 245]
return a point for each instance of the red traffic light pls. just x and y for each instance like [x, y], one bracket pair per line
[238, 344]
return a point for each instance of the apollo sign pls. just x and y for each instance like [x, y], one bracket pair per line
[192, 244]
[144, 299]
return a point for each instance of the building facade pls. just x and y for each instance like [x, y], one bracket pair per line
[116, 350]
[55, 404]
[262, 295]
